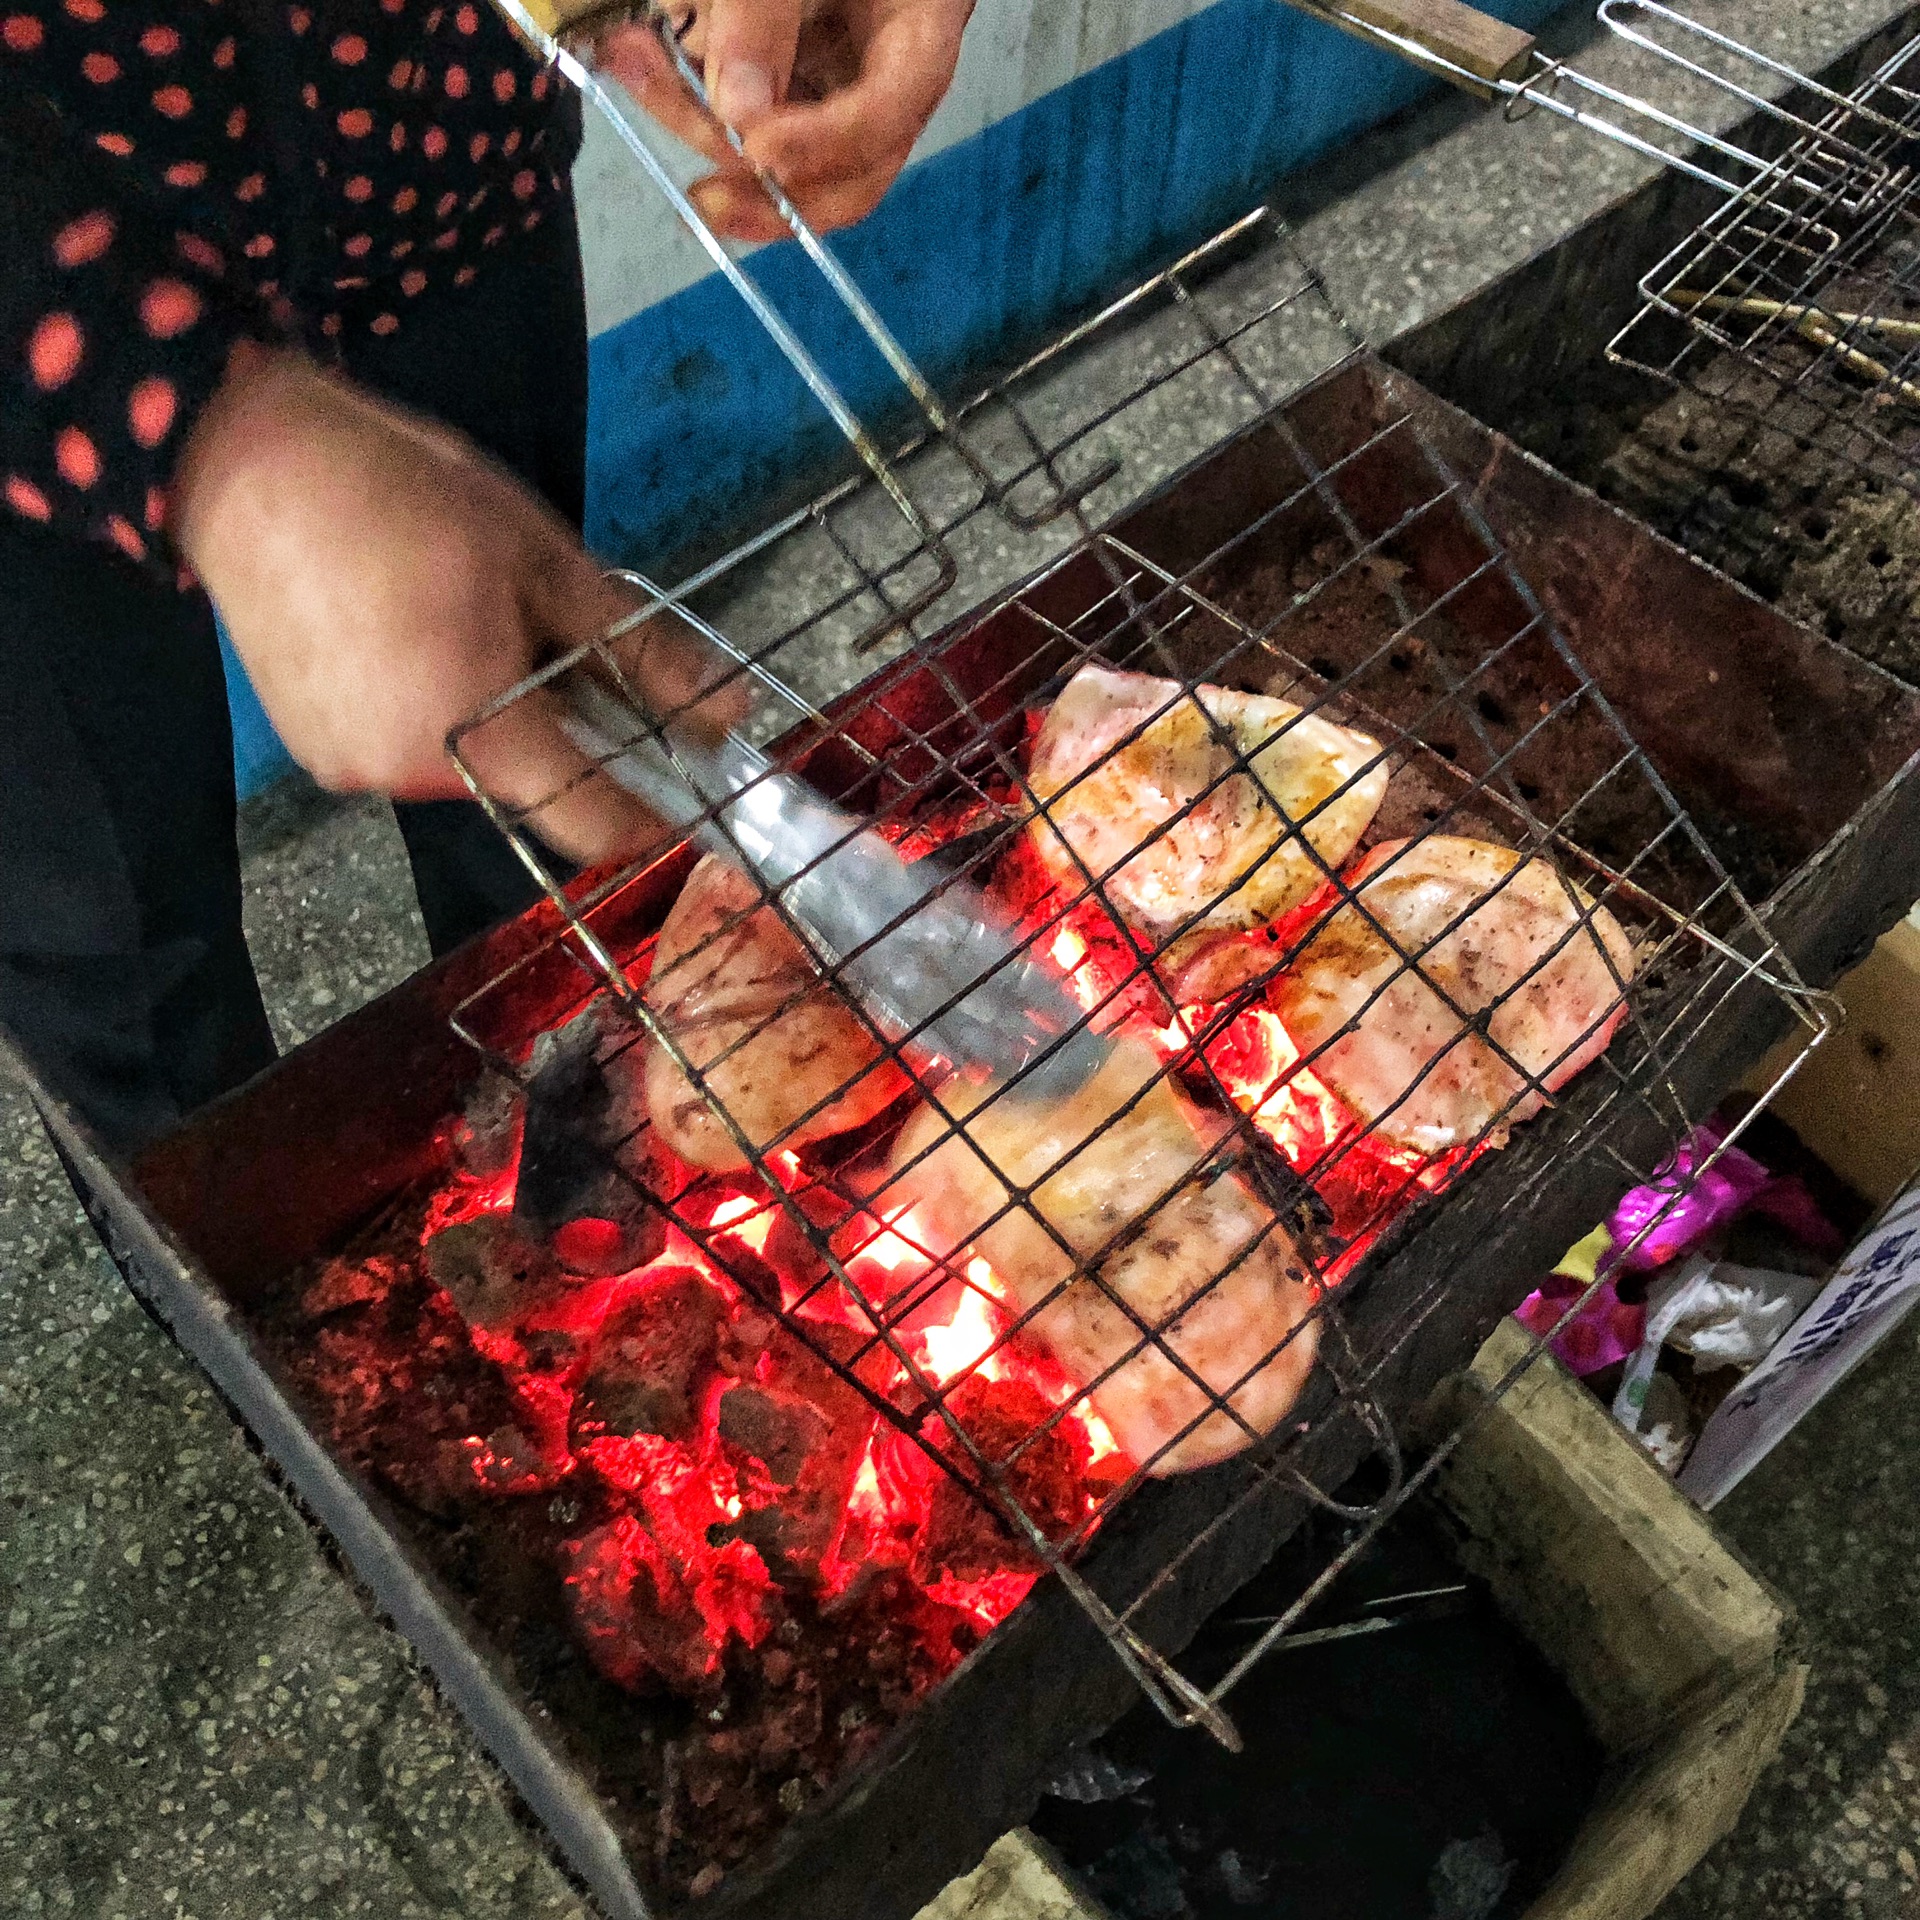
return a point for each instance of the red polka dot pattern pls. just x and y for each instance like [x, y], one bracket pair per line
[150, 410]
[83, 240]
[27, 500]
[419, 123]
[168, 308]
[76, 458]
[121, 532]
[54, 350]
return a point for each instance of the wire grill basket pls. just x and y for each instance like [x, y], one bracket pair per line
[1249, 858]
[1797, 304]
[1796, 300]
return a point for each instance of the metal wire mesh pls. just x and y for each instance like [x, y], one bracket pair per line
[1796, 303]
[1169, 1257]
[1704, 77]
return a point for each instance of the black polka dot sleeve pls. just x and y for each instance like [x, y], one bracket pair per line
[114, 329]
[176, 173]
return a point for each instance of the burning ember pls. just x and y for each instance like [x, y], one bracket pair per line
[736, 1467]
[733, 1463]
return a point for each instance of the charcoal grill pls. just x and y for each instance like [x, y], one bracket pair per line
[225, 1225]
[1390, 606]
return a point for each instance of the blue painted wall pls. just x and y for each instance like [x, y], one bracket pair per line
[977, 251]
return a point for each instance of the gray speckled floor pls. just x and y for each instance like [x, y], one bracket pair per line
[1833, 1519]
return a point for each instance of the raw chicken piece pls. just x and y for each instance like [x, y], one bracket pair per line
[1233, 858]
[730, 980]
[1556, 1010]
[1171, 1271]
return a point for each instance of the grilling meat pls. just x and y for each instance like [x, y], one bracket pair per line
[1198, 1261]
[1230, 855]
[777, 1045]
[1550, 987]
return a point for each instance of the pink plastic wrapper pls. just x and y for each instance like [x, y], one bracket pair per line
[1607, 1329]
[1677, 1215]
[1604, 1331]
[1678, 1221]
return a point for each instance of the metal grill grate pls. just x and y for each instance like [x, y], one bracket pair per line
[1796, 303]
[1190, 1302]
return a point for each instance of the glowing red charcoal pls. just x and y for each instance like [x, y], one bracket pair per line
[1259, 1066]
[588, 1244]
[746, 1219]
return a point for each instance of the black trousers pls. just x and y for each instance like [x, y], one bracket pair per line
[123, 971]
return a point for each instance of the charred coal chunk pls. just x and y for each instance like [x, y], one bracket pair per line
[494, 1273]
[344, 1284]
[655, 1352]
[631, 1611]
[509, 1463]
[792, 1249]
[744, 1339]
[488, 1134]
[778, 1430]
[807, 1425]
[1043, 1468]
[585, 1107]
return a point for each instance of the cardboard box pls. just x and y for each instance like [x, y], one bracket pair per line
[1856, 1102]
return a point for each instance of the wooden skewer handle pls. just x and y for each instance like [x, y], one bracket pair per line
[1461, 35]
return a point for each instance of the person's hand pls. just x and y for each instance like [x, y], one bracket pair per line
[827, 95]
[382, 580]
